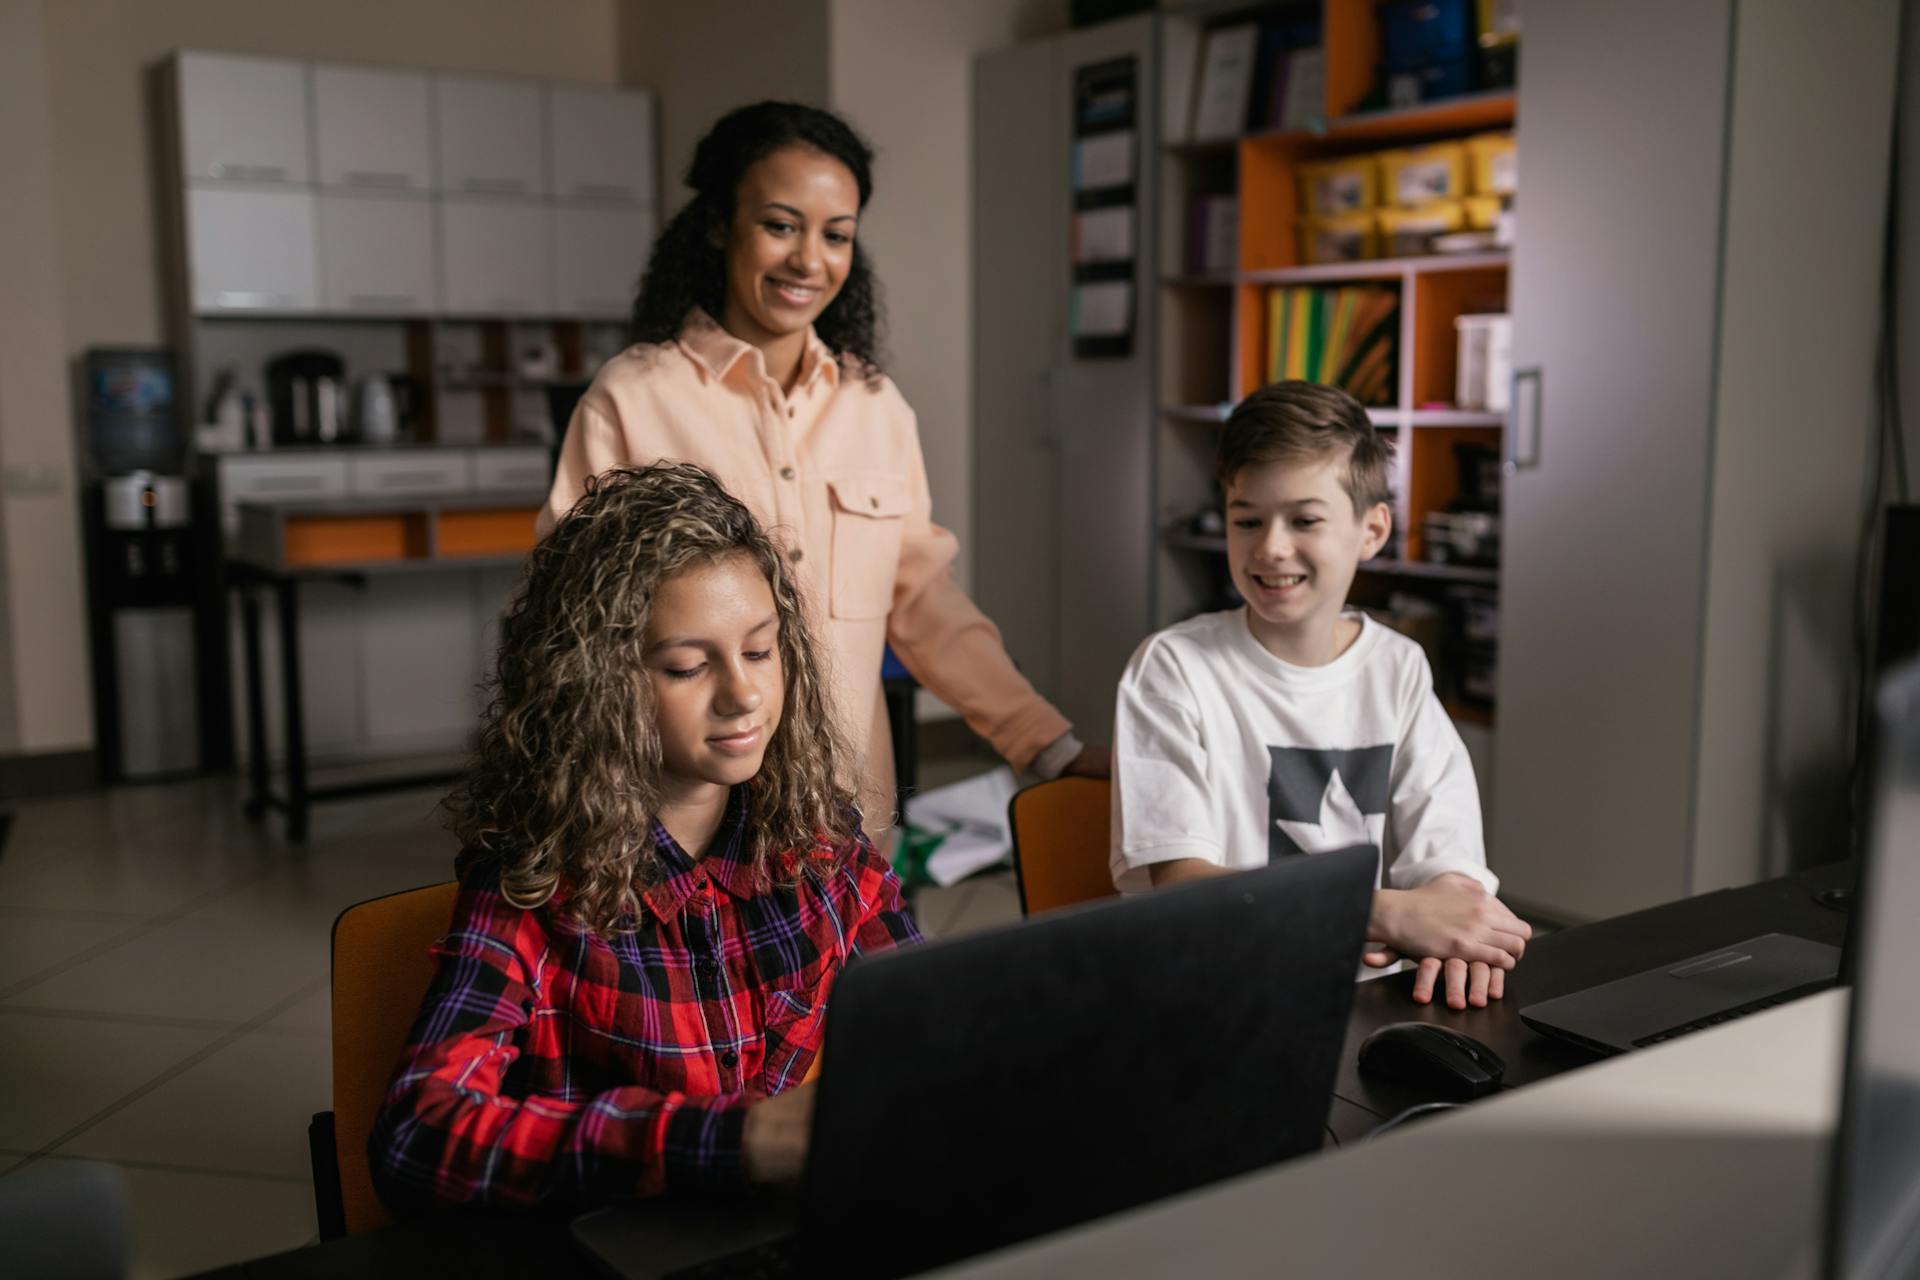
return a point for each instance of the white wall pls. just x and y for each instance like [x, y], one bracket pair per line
[901, 73]
[81, 250]
[1794, 410]
[45, 699]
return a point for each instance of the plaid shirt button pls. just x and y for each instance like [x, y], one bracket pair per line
[729, 1059]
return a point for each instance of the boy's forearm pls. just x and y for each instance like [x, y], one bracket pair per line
[1180, 870]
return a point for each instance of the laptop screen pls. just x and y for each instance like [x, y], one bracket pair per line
[1874, 1209]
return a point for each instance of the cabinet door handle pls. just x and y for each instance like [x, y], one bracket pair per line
[1524, 422]
[248, 298]
[394, 479]
[381, 300]
[375, 178]
[249, 172]
[285, 484]
[602, 191]
[497, 186]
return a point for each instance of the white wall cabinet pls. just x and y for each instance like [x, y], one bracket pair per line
[251, 250]
[493, 257]
[371, 129]
[490, 136]
[601, 144]
[242, 119]
[597, 257]
[376, 255]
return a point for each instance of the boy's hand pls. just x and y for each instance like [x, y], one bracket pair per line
[1467, 984]
[1449, 918]
[773, 1141]
[1094, 761]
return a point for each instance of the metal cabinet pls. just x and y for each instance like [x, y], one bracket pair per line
[1670, 502]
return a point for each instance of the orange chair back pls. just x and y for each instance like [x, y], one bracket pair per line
[1061, 831]
[381, 970]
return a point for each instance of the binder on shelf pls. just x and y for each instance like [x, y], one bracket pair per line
[1346, 337]
[1226, 82]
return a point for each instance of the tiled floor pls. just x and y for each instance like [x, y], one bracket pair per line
[163, 996]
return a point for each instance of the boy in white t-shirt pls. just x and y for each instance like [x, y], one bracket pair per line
[1291, 726]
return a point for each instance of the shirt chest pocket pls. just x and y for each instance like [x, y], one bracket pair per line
[869, 516]
[792, 1018]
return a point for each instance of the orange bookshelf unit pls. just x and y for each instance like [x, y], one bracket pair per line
[1216, 332]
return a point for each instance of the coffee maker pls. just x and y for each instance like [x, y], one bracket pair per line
[142, 590]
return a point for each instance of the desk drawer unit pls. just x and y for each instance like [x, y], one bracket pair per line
[511, 470]
[269, 479]
[419, 472]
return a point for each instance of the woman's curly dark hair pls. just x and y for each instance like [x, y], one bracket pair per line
[688, 267]
[566, 781]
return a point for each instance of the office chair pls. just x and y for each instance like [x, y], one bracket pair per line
[381, 969]
[1060, 842]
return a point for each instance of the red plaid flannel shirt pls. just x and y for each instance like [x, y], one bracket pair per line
[552, 1064]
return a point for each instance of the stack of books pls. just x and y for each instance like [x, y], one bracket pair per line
[1346, 337]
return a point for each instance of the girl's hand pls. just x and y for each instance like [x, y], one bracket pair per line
[773, 1142]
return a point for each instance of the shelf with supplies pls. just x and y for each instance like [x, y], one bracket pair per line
[1312, 242]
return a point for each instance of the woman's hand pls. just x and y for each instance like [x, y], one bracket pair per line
[1092, 762]
[773, 1142]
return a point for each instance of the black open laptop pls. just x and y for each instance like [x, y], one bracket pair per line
[998, 1087]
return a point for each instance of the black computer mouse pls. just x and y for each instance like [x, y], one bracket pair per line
[1428, 1056]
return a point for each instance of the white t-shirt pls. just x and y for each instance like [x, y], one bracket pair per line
[1223, 752]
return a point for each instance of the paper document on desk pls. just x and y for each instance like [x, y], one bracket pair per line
[971, 819]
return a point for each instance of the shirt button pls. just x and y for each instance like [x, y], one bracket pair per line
[796, 555]
[787, 473]
[701, 884]
[875, 502]
[789, 411]
[729, 1059]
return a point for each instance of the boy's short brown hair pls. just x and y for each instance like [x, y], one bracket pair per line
[1306, 422]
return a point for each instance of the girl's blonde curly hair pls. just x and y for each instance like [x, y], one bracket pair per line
[566, 781]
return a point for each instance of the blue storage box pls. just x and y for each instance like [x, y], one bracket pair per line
[1421, 33]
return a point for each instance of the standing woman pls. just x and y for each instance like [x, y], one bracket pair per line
[757, 358]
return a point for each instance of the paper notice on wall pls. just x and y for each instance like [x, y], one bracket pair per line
[1104, 160]
[1103, 235]
[1102, 310]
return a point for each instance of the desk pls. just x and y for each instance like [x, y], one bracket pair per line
[282, 545]
[1631, 1101]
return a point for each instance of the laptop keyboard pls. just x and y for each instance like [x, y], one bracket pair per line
[1728, 1015]
[775, 1260]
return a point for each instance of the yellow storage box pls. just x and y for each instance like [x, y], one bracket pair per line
[1494, 164]
[1339, 186]
[1405, 233]
[1483, 212]
[1417, 175]
[1339, 237]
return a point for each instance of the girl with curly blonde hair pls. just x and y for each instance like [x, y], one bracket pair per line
[662, 873]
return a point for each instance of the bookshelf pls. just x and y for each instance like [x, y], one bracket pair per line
[1212, 334]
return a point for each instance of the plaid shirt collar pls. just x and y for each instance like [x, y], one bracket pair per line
[727, 864]
[717, 353]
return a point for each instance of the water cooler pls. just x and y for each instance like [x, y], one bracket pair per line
[141, 581]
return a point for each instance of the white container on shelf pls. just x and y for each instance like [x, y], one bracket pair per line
[1484, 365]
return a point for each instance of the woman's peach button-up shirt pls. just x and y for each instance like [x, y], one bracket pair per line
[833, 470]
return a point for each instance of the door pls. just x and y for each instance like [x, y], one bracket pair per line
[370, 129]
[493, 257]
[601, 144]
[490, 137]
[242, 119]
[598, 255]
[1019, 197]
[251, 250]
[1622, 119]
[376, 254]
